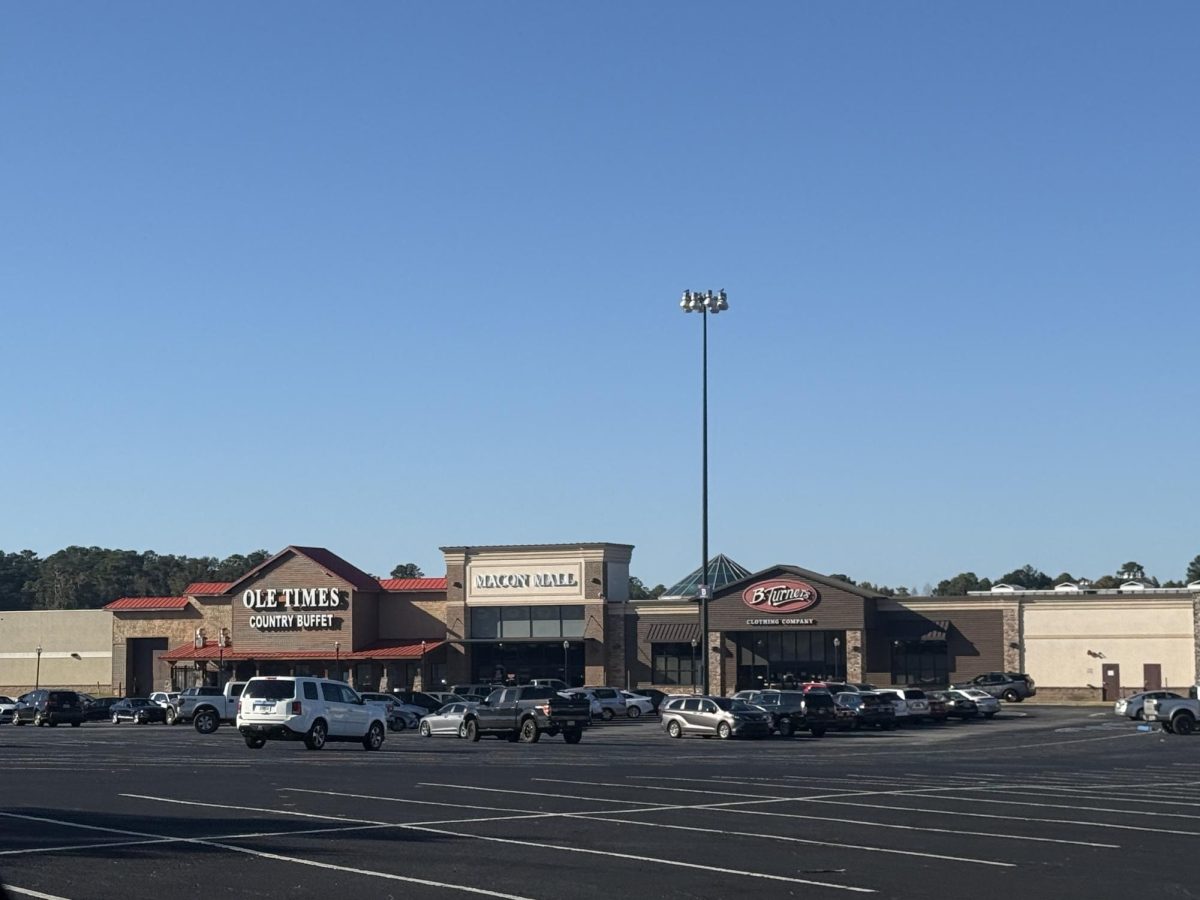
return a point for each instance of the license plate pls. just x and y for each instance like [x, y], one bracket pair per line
[263, 707]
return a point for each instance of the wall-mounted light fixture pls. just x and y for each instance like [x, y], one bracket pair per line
[458, 584]
[76, 656]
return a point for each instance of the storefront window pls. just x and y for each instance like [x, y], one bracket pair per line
[514, 621]
[786, 658]
[572, 621]
[485, 622]
[920, 663]
[546, 621]
[673, 663]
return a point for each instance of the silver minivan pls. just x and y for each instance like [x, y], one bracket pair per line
[723, 716]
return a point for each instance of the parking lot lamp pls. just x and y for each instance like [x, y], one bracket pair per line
[337, 656]
[566, 650]
[704, 302]
[837, 656]
[695, 642]
[422, 665]
[37, 677]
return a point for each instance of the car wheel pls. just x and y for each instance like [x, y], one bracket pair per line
[400, 723]
[674, 730]
[573, 736]
[818, 731]
[606, 714]
[38, 720]
[206, 721]
[116, 719]
[530, 733]
[1184, 723]
[1166, 726]
[255, 743]
[172, 717]
[786, 728]
[633, 712]
[1011, 696]
[317, 732]
[1139, 715]
[373, 739]
[426, 731]
[471, 730]
[724, 732]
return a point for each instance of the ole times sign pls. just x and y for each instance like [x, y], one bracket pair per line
[781, 595]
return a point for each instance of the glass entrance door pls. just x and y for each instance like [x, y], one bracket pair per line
[785, 659]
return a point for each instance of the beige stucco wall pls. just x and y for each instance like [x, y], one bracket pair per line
[76, 649]
[1068, 640]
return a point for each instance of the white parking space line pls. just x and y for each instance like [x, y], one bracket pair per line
[276, 856]
[653, 787]
[976, 815]
[478, 837]
[401, 800]
[472, 787]
[28, 892]
[1071, 794]
[657, 861]
[958, 798]
[798, 840]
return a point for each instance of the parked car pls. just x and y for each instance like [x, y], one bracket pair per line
[7, 705]
[526, 713]
[939, 707]
[1134, 707]
[313, 710]
[557, 683]
[954, 705]
[447, 720]
[637, 705]
[46, 707]
[99, 709]
[1177, 715]
[792, 711]
[610, 700]
[724, 717]
[165, 698]
[656, 696]
[918, 704]
[1010, 686]
[987, 705]
[427, 701]
[399, 715]
[140, 710]
[870, 710]
[899, 705]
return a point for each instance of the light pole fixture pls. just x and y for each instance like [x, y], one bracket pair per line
[337, 655]
[695, 641]
[837, 655]
[566, 650]
[422, 665]
[704, 302]
[37, 678]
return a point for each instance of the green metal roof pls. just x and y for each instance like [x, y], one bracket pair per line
[721, 571]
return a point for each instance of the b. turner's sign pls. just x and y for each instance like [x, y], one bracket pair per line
[781, 595]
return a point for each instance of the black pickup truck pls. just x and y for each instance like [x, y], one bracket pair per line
[526, 713]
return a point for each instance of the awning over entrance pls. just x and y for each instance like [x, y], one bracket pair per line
[673, 633]
[918, 630]
[379, 651]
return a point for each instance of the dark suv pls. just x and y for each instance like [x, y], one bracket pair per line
[43, 707]
[1011, 686]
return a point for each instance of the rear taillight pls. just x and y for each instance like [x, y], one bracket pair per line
[295, 707]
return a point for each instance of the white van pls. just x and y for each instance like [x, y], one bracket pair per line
[313, 710]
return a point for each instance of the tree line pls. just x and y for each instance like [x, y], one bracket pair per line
[90, 577]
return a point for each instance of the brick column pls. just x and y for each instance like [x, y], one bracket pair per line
[616, 668]
[716, 659]
[1012, 640]
[1196, 637]
[854, 656]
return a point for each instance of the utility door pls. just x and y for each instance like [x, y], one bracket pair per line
[1152, 676]
[1112, 682]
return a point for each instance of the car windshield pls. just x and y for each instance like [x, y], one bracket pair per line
[743, 706]
[270, 690]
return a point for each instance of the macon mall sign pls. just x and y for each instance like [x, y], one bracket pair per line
[298, 605]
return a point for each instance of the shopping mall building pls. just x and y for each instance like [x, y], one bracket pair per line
[564, 611]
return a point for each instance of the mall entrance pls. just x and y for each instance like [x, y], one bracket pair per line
[521, 661]
[786, 659]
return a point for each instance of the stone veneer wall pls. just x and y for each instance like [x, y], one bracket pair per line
[854, 656]
[1012, 640]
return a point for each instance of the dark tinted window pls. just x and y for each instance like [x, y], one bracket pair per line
[538, 693]
[330, 692]
[310, 690]
[66, 698]
[913, 694]
[724, 702]
[819, 699]
[271, 690]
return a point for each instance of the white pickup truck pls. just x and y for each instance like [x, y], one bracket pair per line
[1176, 716]
[208, 707]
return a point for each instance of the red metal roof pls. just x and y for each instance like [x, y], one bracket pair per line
[198, 588]
[148, 603]
[381, 650]
[413, 584]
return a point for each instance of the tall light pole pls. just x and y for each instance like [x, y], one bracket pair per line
[837, 655]
[704, 302]
[37, 678]
[337, 655]
[566, 650]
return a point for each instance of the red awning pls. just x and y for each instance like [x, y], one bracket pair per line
[379, 651]
[144, 604]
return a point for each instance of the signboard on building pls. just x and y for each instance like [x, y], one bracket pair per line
[778, 596]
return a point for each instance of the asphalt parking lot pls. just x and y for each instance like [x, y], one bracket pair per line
[1043, 802]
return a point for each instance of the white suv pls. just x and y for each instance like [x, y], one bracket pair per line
[314, 710]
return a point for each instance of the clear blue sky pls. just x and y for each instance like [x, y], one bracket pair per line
[390, 276]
